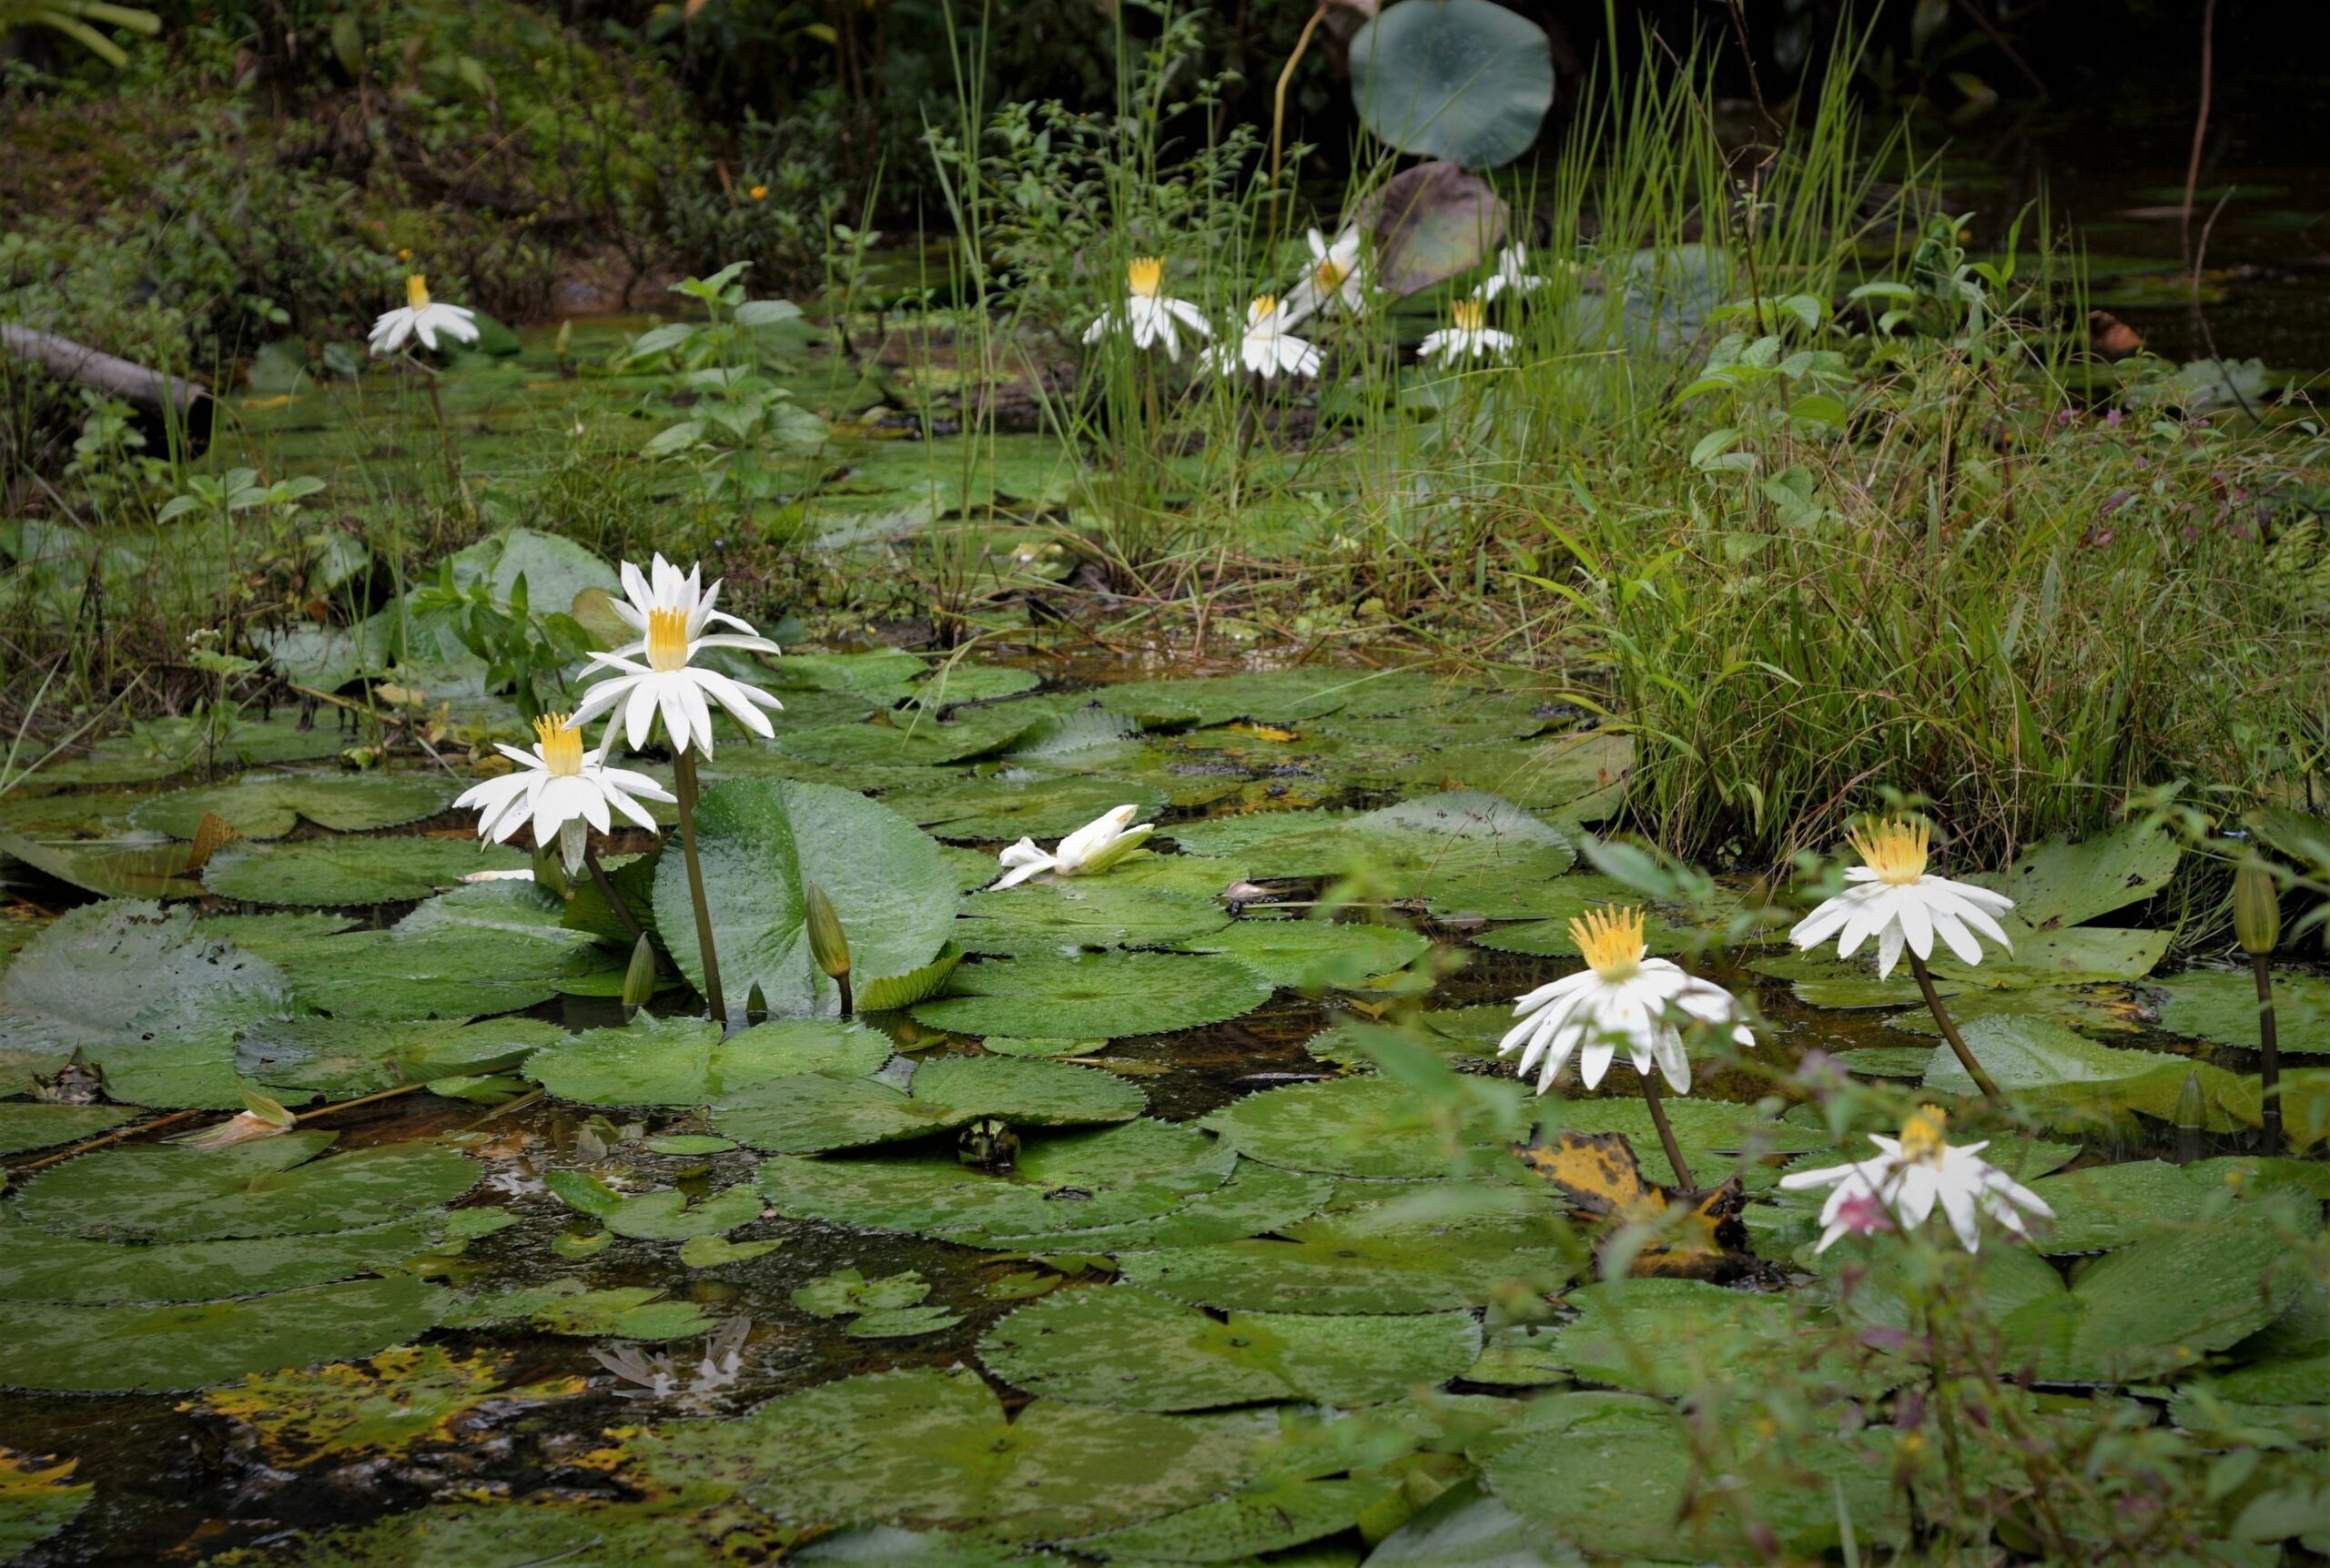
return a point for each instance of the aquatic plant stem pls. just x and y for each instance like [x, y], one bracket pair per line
[1950, 1032]
[1278, 106]
[1683, 1182]
[2269, 1084]
[684, 779]
[606, 884]
[848, 997]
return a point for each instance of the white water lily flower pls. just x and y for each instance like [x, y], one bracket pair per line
[1338, 273]
[1896, 902]
[1150, 314]
[1468, 336]
[422, 316]
[1909, 1175]
[1088, 852]
[564, 789]
[1620, 998]
[1267, 349]
[669, 613]
[1512, 264]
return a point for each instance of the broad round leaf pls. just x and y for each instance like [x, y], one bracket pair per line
[30, 1127]
[819, 1111]
[1132, 1350]
[344, 872]
[1315, 955]
[38, 1265]
[270, 805]
[155, 1348]
[686, 1061]
[1364, 1127]
[1256, 1200]
[1061, 917]
[1103, 996]
[932, 1449]
[1465, 80]
[450, 972]
[764, 841]
[343, 1056]
[986, 810]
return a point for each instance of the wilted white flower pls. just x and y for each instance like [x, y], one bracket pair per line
[1512, 272]
[1266, 347]
[1468, 336]
[671, 613]
[424, 317]
[564, 789]
[1150, 315]
[1895, 901]
[1092, 849]
[1909, 1175]
[1620, 998]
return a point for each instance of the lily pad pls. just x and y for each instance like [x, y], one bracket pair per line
[1315, 955]
[986, 810]
[1670, 1337]
[271, 1186]
[38, 1499]
[1104, 995]
[688, 1062]
[2074, 955]
[568, 1307]
[1274, 696]
[2058, 883]
[1257, 1199]
[1362, 1126]
[764, 842]
[350, 871]
[932, 1449]
[449, 973]
[901, 1322]
[1060, 1185]
[811, 1113]
[2220, 1004]
[155, 1348]
[399, 1400]
[30, 1127]
[37, 1265]
[1064, 916]
[1365, 1262]
[665, 1214]
[847, 1291]
[913, 739]
[2032, 1060]
[270, 805]
[1073, 1345]
[1464, 80]
[2108, 1205]
[343, 1056]
[1270, 1516]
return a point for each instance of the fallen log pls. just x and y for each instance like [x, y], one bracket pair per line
[170, 407]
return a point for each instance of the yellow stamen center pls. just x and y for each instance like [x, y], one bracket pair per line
[560, 743]
[1143, 275]
[415, 290]
[667, 640]
[1921, 1135]
[1611, 939]
[1264, 307]
[1469, 315]
[1894, 849]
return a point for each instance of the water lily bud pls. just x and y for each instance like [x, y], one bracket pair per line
[828, 943]
[2256, 908]
[1117, 850]
[639, 980]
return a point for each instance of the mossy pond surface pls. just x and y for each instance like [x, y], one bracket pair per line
[1161, 1216]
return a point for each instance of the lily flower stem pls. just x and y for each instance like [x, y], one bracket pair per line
[1666, 1134]
[848, 998]
[2270, 1070]
[1950, 1032]
[445, 441]
[606, 884]
[684, 779]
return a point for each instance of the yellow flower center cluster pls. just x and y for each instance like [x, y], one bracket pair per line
[1894, 849]
[1143, 275]
[667, 640]
[1265, 306]
[1469, 315]
[1921, 1135]
[1612, 941]
[415, 290]
[1328, 273]
[561, 744]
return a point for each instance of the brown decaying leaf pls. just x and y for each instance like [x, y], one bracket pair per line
[1694, 1235]
[211, 835]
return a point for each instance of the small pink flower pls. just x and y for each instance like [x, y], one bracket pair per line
[2113, 418]
[1863, 1214]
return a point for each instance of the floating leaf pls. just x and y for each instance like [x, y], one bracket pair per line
[567, 1307]
[2033, 1060]
[1264, 1518]
[1257, 1199]
[399, 1401]
[1079, 1345]
[2108, 1205]
[1059, 917]
[1431, 222]
[911, 739]
[350, 871]
[688, 1062]
[901, 1322]
[2220, 1004]
[1315, 955]
[38, 1499]
[344, 1056]
[273, 1187]
[663, 1215]
[1464, 80]
[1663, 1233]
[38, 1265]
[1363, 1262]
[1102, 996]
[931, 1450]
[2076, 955]
[847, 1290]
[270, 805]
[2055, 883]
[1670, 1337]
[155, 1348]
[763, 842]
[1060, 1185]
[1273, 696]
[1365, 1127]
[986, 810]
[807, 1114]
[111, 869]
[448, 973]
[30, 1127]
